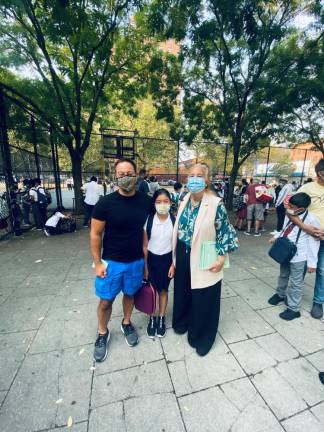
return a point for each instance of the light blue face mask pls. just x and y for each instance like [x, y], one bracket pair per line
[196, 184]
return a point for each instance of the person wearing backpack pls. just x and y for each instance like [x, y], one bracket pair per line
[296, 253]
[39, 202]
[159, 268]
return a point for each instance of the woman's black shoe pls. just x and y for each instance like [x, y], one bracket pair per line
[180, 330]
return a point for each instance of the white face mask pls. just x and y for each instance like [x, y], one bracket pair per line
[295, 212]
[291, 212]
[162, 208]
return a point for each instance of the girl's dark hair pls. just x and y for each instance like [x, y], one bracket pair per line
[156, 194]
[159, 192]
[301, 200]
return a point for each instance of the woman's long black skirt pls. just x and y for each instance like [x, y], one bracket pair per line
[194, 310]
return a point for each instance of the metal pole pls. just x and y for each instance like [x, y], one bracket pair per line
[267, 167]
[5, 149]
[302, 176]
[6, 156]
[54, 168]
[178, 153]
[225, 161]
[34, 139]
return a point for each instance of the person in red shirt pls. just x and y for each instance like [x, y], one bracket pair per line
[254, 209]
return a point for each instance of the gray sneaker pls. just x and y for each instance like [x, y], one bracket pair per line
[131, 336]
[317, 310]
[101, 350]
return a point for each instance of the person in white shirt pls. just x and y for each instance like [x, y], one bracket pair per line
[159, 268]
[305, 257]
[54, 224]
[93, 191]
[153, 185]
[286, 189]
[39, 210]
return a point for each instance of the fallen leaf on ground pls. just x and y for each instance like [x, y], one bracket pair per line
[38, 261]
[41, 318]
[69, 422]
[93, 368]
[186, 408]
[59, 401]
[81, 351]
[254, 268]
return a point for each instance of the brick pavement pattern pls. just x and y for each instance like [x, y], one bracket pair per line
[261, 375]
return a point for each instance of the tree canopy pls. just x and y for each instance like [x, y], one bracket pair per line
[230, 54]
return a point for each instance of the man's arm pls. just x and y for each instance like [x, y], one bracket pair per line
[97, 229]
[309, 229]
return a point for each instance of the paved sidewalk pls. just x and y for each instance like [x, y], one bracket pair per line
[261, 375]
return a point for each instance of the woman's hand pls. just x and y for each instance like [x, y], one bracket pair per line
[171, 271]
[272, 240]
[100, 270]
[218, 265]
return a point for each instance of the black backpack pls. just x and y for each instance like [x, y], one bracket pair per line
[42, 198]
[150, 224]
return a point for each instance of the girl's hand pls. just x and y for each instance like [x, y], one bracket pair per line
[218, 265]
[272, 240]
[146, 273]
[171, 272]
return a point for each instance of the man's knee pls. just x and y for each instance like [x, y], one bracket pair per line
[105, 305]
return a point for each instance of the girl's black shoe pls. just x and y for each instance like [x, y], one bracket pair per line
[161, 329]
[151, 327]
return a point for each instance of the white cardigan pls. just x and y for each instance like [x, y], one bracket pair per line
[204, 230]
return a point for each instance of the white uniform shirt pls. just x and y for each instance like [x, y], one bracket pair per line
[307, 246]
[160, 242]
[54, 220]
[286, 190]
[33, 193]
[93, 191]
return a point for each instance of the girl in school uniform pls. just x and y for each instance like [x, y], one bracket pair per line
[159, 268]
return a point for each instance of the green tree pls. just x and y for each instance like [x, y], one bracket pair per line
[70, 57]
[227, 51]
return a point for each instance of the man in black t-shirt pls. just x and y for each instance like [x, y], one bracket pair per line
[120, 216]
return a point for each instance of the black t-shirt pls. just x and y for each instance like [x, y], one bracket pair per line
[125, 218]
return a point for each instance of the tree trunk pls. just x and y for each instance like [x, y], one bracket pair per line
[233, 176]
[77, 181]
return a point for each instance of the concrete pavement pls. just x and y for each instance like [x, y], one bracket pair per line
[261, 375]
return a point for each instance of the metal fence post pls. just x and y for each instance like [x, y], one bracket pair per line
[5, 150]
[6, 156]
[267, 167]
[54, 167]
[302, 176]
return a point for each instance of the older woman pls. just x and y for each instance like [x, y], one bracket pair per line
[202, 223]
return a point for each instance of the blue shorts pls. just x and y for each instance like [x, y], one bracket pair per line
[125, 277]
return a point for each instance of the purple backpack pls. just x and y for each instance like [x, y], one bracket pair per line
[145, 298]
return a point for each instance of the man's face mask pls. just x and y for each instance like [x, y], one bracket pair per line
[127, 183]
